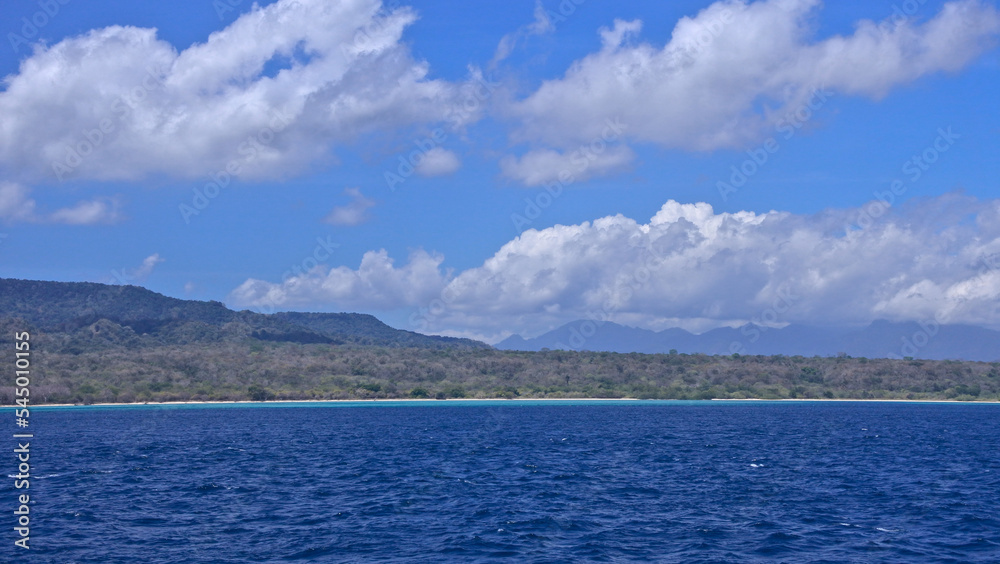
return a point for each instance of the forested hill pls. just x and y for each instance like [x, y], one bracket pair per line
[84, 315]
[100, 343]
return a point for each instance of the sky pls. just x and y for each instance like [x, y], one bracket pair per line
[495, 168]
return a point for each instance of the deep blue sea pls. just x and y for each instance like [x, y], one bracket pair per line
[512, 481]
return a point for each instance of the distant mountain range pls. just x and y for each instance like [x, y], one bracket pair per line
[881, 339]
[86, 315]
[104, 343]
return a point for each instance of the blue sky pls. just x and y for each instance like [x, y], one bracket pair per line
[649, 108]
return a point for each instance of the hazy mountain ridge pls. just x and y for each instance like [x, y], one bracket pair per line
[881, 339]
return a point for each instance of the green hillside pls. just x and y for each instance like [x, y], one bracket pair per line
[98, 343]
[80, 315]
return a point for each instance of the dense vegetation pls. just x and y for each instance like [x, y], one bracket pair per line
[89, 349]
[263, 370]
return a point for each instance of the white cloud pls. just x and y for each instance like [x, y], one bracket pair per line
[690, 266]
[17, 206]
[146, 268]
[543, 166]
[118, 103]
[541, 25]
[86, 213]
[354, 213]
[139, 274]
[736, 70]
[438, 162]
[376, 284]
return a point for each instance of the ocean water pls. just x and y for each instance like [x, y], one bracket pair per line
[513, 481]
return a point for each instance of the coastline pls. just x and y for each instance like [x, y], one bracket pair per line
[373, 400]
[418, 401]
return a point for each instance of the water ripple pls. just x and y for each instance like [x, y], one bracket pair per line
[754, 482]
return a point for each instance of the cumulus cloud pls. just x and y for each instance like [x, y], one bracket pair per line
[354, 213]
[544, 166]
[690, 266]
[376, 284]
[272, 92]
[736, 70]
[438, 162]
[17, 206]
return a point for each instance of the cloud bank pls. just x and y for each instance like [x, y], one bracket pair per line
[692, 267]
[730, 74]
[281, 86]
[273, 91]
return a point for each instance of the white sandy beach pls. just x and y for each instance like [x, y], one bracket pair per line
[466, 400]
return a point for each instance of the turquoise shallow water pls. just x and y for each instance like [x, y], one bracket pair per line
[520, 481]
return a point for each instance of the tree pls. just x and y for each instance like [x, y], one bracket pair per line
[259, 393]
